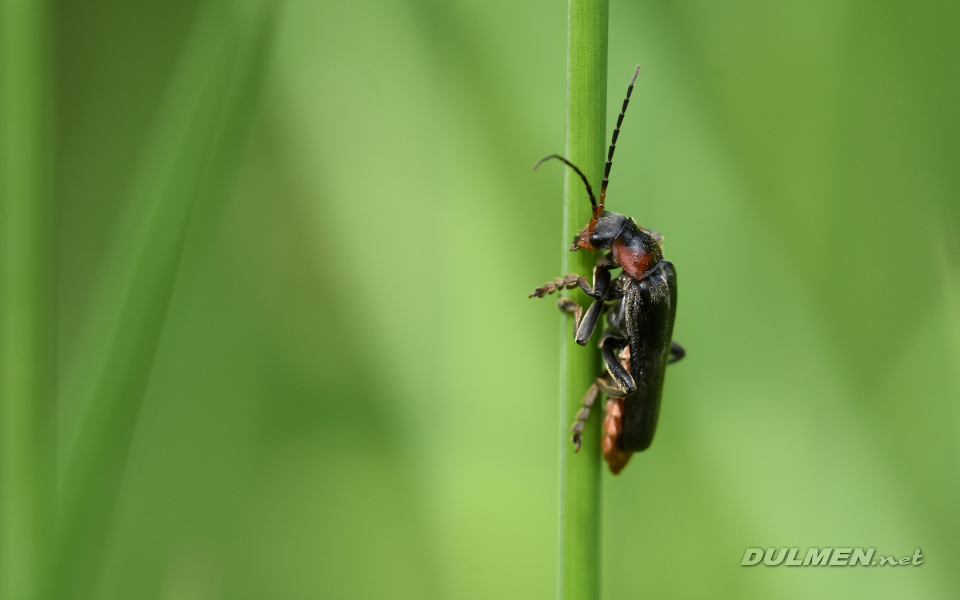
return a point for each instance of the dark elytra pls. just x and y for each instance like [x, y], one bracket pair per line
[645, 317]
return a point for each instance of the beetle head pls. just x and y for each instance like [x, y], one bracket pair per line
[600, 232]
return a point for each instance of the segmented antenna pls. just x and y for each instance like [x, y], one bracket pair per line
[613, 140]
[593, 200]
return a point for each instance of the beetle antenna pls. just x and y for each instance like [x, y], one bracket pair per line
[593, 200]
[613, 140]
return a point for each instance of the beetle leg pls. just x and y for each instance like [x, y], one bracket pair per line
[601, 385]
[571, 306]
[569, 281]
[613, 391]
[583, 414]
[583, 324]
[601, 283]
[676, 353]
[589, 322]
[609, 344]
[601, 277]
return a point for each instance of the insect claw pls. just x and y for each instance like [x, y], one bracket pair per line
[543, 290]
[576, 442]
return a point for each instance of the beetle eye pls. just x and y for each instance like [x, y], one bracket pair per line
[602, 238]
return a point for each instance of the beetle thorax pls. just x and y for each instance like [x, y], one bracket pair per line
[636, 251]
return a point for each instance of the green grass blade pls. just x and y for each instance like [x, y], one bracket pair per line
[196, 138]
[27, 305]
[585, 147]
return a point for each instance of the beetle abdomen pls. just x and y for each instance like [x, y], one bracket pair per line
[648, 308]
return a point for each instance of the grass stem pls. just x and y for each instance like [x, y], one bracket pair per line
[585, 145]
[27, 298]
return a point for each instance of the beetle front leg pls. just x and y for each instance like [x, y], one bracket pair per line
[601, 278]
[585, 323]
[568, 281]
[601, 283]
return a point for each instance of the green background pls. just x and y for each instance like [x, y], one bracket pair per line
[352, 396]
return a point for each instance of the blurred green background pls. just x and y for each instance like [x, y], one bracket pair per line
[352, 397]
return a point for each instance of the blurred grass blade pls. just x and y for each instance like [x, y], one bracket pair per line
[586, 135]
[196, 138]
[27, 337]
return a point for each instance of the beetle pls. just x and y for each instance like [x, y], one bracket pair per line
[641, 306]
